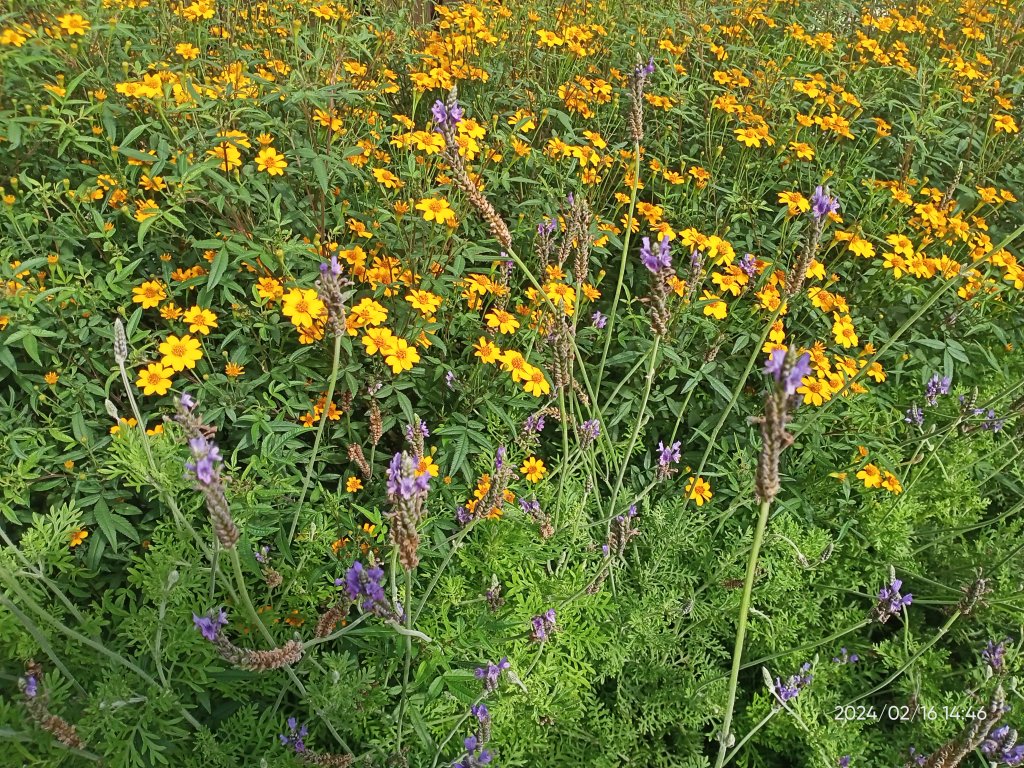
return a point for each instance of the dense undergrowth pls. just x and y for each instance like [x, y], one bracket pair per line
[456, 393]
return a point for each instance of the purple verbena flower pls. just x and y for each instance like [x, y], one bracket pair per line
[786, 691]
[598, 320]
[366, 584]
[296, 735]
[669, 454]
[543, 625]
[491, 674]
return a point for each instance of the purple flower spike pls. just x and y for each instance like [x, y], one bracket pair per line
[210, 624]
[822, 203]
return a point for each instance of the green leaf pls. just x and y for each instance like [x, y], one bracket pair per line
[217, 270]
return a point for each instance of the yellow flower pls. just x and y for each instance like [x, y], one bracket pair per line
[77, 537]
[486, 350]
[502, 320]
[436, 209]
[155, 379]
[387, 179]
[401, 356]
[228, 154]
[514, 363]
[179, 354]
[378, 340]
[233, 370]
[200, 320]
[353, 484]
[51, 378]
[1004, 124]
[269, 288]
[149, 294]
[73, 24]
[843, 331]
[715, 307]
[427, 465]
[815, 391]
[534, 469]
[187, 51]
[891, 483]
[797, 203]
[270, 160]
[871, 476]
[425, 302]
[801, 150]
[302, 307]
[699, 490]
[749, 137]
[535, 383]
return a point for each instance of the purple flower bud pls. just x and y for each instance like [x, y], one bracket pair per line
[822, 203]
[31, 686]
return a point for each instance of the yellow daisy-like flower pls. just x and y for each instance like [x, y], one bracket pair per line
[353, 484]
[715, 307]
[387, 179]
[200, 320]
[871, 476]
[149, 294]
[269, 288]
[486, 350]
[533, 469]
[425, 302]
[233, 370]
[77, 537]
[228, 154]
[154, 380]
[699, 490]
[302, 307]
[73, 24]
[401, 356]
[271, 161]
[179, 354]
[535, 383]
[436, 209]
[378, 340]
[504, 321]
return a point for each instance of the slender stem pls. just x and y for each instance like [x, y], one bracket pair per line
[332, 381]
[622, 267]
[652, 366]
[764, 721]
[404, 702]
[444, 564]
[741, 630]
[565, 453]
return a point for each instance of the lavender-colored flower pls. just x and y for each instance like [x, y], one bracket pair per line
[775, 366]
[994, 654]
[31, 686]
[529, 506]
[186, 401]
[210, 624]
[598, 320]
[534, 423]
[333, 266]
[669, 454]
[1001, 747]
[845, 657]
[991, 423]
[823, 203]
[591, 430]
[543, 625]
[262, 554]
[659, 260]
[696, 260]
[411, 431]
[366, 584]
[462, 515]
[789, 690]
[914, 416]
[296, 735]
[403, 483]
[206, 460]
[547, 227]
[491, 674]
[748, 264]
[936, 387]
[451, 379]
[890, 601]
[844, 762]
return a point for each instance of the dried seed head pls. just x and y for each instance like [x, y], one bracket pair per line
[120, 342]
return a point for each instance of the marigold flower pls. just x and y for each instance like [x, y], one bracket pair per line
[271, 161]
[436, 209]
[200, 320]
[302, 307]
[149, 294]
[533, 469]
[698, 490]
[77, 537]
[352, 485]
[486, 350]
[401, 356]
[180, 353]
[155, 379]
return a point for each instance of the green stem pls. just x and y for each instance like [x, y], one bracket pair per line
[319, 434]
[741, 630]
[622, 268]
[636, 427]
[408, 663]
